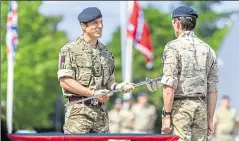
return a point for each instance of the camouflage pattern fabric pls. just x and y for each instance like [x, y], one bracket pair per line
[190, 67]
[225, 124]
[127, 117]
[144, 118]
[92, 67]
[114, 121]
[189, 120]
[80, 118]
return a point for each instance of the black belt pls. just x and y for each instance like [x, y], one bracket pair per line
[87, 102]
[190, 98]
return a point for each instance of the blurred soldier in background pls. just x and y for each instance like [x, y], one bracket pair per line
[86, 68]
[114, 116]
[127, 116]
[144, 115]
[225, 121]
[237, 129]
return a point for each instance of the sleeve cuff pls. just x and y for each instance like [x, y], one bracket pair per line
[112, 86]
[169, 81]
[212, 88]
[111, 83]
[65, 72]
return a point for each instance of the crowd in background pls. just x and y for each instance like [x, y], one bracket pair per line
[139, 116]
[130, 116]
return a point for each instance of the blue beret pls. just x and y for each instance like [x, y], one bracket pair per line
[89, 14]
[142, 94]
[225, 97]
[184, 11]
[117, 101]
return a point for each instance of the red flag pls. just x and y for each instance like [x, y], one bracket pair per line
[138, 31]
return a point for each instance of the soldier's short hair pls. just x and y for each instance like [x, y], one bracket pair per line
[188, 23]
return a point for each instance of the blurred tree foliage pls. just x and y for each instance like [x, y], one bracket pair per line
[35, 80]
[207, 23]
[161, 33]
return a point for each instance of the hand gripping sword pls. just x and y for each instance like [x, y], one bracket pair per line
[152, 85]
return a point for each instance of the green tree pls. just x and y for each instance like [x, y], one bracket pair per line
[207, 23]
[35, 77]
[161, 31]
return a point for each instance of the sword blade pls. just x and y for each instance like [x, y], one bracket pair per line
[114, 91]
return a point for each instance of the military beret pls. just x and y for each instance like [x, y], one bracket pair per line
[129, 98]
[142, 94]
[117, 101]
[225, 97]
[89, 14]
[184, 11]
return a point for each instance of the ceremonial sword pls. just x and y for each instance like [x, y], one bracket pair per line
[155, 84]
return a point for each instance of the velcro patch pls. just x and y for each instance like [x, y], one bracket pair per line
[63, 59]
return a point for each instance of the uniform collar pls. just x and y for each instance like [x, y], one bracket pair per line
[81, 39]
[187, 34]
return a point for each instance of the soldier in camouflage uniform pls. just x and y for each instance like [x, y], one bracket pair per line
[190, 79]
[237, 129]
[144, 115]
[86, 68]
[127, 116]
[225, 121]
[114, 116]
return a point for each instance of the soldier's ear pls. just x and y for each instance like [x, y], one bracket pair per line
[83, 26]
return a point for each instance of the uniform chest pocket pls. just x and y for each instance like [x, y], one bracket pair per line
[108, 69]
[84, 70]
[84, 61]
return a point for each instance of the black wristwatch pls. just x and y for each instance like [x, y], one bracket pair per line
[166, 113]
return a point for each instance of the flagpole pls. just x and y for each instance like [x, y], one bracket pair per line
[11, 41]
[128, 65]
[10, 84]
[123, 24]
[128, 54]
[125, 46]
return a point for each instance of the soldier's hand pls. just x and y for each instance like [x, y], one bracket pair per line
[166, 125]
[103, 98]
[103, 92]
[125, 87]
[102, 95]
[210, 127]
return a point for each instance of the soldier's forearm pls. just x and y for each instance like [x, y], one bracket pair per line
[168, 96]
[211, 104]
[75, 87]
[111, 83]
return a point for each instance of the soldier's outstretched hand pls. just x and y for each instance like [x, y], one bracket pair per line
[103, 98]
[125, 87]
[102, 95]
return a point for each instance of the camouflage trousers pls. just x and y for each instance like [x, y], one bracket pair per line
[80, 118]
[189, 120]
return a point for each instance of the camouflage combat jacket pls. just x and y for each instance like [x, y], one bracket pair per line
[91, 66]
[190, 66]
